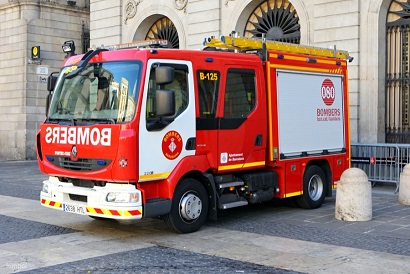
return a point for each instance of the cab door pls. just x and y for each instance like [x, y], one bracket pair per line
[162, 147]
[242, 127]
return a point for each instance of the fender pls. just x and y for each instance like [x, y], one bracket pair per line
[165, 188]
[188, 164]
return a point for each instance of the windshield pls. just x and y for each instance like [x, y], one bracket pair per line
[101, 92]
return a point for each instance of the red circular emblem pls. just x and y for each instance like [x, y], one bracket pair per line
[172, 145]
[328, 92]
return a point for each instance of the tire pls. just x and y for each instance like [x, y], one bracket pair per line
[189, 208]
[314, 188]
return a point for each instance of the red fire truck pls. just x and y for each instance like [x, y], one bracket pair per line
[132, 133]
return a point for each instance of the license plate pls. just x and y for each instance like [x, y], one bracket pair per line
[74, 209]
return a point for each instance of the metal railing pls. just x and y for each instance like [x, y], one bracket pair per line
[381, 162]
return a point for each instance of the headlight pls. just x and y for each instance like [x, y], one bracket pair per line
[45, 188]
[122, 197]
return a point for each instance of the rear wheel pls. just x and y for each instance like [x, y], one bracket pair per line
[314, 188]
[189, 208]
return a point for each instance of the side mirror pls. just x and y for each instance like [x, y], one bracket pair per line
[165, 106]
[164, 99]
[165, 102]
[164, 75]
[48, 102]
[51, 82]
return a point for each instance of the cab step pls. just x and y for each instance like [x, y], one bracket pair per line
[233, 204]
[229, 184]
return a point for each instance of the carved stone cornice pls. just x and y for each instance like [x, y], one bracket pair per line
[227, 1]
[130, 9]
[180, 4]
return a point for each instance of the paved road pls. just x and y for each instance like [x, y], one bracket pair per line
[267, 238]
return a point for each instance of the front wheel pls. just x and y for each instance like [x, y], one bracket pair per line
[189, 208]
[314, 188]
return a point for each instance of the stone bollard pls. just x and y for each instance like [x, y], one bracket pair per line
[404, 188]
[353, 196]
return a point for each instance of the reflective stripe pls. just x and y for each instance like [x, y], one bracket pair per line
[292, 194]
[111, 212]
[159, 176]
[239, 166]
[51, 203]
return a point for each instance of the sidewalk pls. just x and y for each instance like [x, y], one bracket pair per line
[388, 231]
[269, 235]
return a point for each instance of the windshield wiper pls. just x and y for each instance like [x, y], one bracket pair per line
[90, 121]
[80, 121]
[62, 121]
[106, 121]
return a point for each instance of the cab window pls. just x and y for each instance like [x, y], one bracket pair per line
[179, 86]
[208, 86]
[240, 89]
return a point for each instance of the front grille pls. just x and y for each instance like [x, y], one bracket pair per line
[83, 183]
[79, 198]
[82, 164]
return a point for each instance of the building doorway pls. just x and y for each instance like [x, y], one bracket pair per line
[163, 28]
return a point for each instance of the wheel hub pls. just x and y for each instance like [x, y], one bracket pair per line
[190, 207]
[315, 187]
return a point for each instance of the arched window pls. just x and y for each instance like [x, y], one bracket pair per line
[277, 19]
[163, 28]
[398, 72]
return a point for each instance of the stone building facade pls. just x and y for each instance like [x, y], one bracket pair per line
[356, 26]
[378, 106]
[25, 24]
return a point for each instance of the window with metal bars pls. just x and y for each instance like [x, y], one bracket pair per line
[397, 83]
[276, 19]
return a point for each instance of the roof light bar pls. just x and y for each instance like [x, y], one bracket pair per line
[136, 44]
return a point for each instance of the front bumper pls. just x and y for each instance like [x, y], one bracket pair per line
[92, 201]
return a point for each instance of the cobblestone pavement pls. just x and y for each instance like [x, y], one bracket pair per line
[266, 238]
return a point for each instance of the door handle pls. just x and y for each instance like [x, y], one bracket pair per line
[190, 143]
[258, 140]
